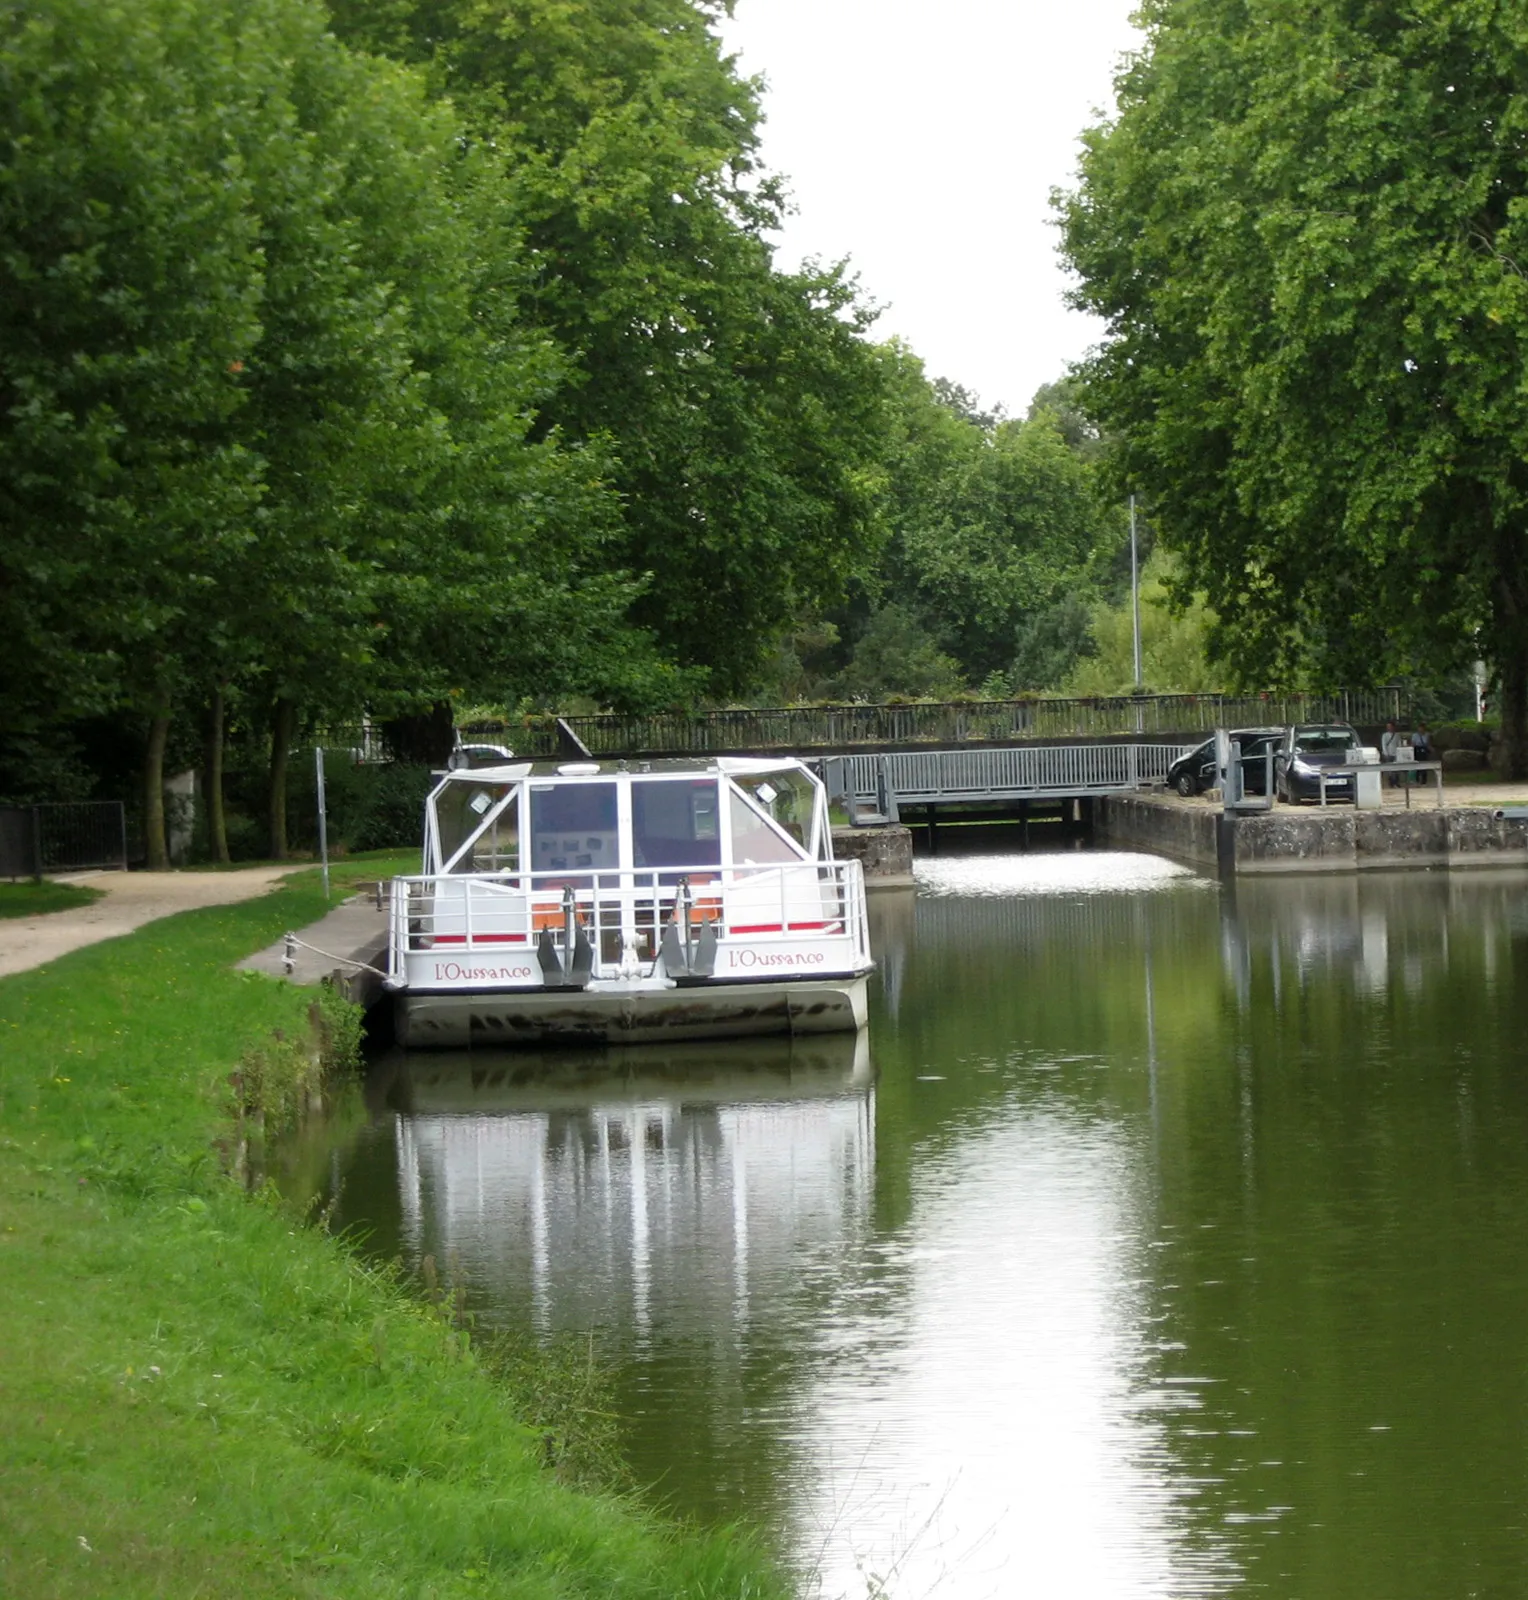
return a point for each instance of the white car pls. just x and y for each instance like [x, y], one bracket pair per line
[466, 756]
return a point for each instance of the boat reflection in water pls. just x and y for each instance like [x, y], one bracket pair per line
[619, 1189]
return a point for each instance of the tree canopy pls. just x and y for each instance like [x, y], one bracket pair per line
[998, 542]
[741, 407]
[371, 359]
[268, 409]
[1305, 230]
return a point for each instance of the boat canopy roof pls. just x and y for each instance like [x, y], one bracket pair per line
[708, 813]
[675, 767]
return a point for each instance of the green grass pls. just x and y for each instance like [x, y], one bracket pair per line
[198, 1395]
[37, 899]
[376, 863]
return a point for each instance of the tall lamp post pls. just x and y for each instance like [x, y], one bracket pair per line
[1135, 597]
[323, 814]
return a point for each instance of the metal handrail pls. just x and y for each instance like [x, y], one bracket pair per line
[801, 729]
[1034, 770]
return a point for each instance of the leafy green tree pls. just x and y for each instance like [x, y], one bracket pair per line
[1065, 401]
[1306, 229]
[1049, 644]
[742, 407]
[406, 513]
[129, 272]
[995, 528]
[895, 656]
[936, 434]
[1009, 537]
[1174, 659]
[269, 403]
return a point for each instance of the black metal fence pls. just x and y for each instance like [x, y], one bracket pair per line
[360, 742]
[70, 836]
[19, 854]
[947, 725]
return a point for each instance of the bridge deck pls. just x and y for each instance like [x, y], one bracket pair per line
[875, 787]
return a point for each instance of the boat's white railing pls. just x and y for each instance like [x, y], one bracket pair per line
[623, 911]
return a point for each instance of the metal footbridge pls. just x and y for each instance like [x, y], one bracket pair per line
[874, 788]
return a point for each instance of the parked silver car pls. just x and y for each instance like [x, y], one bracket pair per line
[1309, 749]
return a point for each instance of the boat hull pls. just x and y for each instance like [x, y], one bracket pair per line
[618, 1014]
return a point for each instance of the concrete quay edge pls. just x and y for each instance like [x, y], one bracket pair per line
[343, 946]
[1299, 841]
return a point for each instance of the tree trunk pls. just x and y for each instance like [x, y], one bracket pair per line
[212, 779]
[153, 794]
[1509, 750]
[425, 737]
[283, 727]
[1509, 641]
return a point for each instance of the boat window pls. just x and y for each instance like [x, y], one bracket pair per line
[460, 812]
[754, 841]
[573, 825]
[674, 823]
[787, 798]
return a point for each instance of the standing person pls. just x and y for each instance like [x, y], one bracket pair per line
[1390, 748]
[1421, 748]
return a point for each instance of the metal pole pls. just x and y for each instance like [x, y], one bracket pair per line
[323, 816]
[1135, 596]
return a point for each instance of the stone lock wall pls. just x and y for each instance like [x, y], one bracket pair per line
[886, 853]
[1334, 839]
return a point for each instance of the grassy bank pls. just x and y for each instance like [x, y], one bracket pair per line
[37, 899]
[199, 1396]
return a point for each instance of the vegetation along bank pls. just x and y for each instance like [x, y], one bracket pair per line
[396, 361]
[203, 1395]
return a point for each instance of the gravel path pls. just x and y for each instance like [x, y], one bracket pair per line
[132, 898]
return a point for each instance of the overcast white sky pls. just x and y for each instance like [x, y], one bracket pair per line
[922, 140]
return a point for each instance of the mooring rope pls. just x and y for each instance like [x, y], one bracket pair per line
[288, 959]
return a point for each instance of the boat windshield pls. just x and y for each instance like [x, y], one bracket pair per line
[675, 823]
[754, 841]
[577, 824]
[465, 809]
[787, 798]
[573, 825]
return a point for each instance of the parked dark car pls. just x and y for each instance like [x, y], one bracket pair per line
[1195, 772]
[1305, 751]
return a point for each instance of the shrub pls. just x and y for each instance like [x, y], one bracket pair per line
[378, 806]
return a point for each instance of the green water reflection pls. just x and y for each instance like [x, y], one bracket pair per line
[1168, 1240]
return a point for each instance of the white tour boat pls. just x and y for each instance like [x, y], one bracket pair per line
[621, 902]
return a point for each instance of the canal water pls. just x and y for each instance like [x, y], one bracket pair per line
[1161, 1238]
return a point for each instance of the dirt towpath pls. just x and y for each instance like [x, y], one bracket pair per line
[132, 898]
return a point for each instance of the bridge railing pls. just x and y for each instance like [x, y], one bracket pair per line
[924, 777]
[815, 729]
